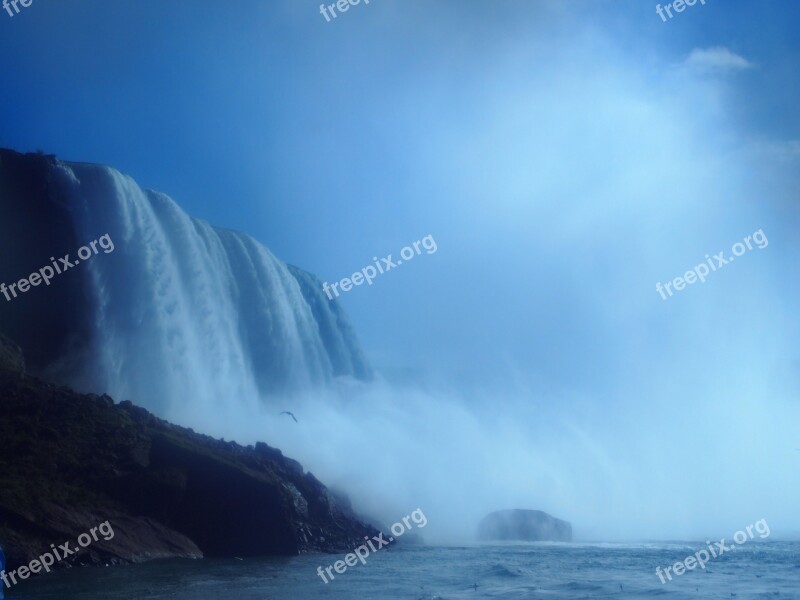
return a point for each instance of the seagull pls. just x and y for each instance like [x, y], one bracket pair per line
[286, 412]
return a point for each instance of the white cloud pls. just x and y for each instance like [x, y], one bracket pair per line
[717, 59]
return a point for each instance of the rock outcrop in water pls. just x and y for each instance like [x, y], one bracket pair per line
[69, 462]
[524, 525]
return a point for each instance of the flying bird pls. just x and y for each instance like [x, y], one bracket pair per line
[286, 412]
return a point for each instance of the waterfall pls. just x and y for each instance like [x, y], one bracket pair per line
[190, 317]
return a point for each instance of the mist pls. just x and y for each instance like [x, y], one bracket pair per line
[575, 176]
[539, 367]
[566, 158]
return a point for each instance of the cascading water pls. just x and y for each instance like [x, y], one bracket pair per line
[187, 316]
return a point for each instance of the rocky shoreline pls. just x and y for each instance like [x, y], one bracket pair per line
[69, 461]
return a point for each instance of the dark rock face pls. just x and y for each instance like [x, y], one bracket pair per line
[69, 462]
[11, 358]
[524, 525]
[34, 225]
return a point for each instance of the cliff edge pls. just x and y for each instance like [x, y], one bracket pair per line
[70, 461]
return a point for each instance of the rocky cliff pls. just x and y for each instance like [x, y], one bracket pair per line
[70, 461]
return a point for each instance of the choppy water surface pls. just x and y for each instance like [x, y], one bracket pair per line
[754, 570]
